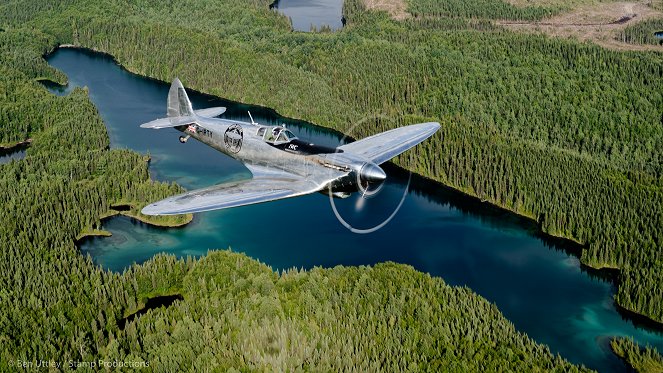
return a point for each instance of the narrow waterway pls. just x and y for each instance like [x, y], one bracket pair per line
[537, 283]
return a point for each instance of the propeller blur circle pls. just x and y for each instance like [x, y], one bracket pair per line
[361, 202]
[367, 190]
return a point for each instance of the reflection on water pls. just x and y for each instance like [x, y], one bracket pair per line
[56, 88]
[537, 283]
[14, 153]
[306, 14]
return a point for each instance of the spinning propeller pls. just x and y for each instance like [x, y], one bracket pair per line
[371, 181]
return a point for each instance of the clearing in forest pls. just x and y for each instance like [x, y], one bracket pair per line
[599, 23]
[395, 8]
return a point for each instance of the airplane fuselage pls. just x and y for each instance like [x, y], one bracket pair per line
[250, 144]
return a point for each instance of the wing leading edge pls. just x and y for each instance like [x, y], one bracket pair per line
[386, 145]
[266, 185]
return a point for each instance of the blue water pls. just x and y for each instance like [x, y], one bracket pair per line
[305, 14]
[14, 154]
[538, 284]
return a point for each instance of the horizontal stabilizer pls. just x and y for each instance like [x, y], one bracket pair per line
[168, 122]
[181, 121]
[210, 112]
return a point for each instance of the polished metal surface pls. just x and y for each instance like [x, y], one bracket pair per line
[280, 164]
[386, 145]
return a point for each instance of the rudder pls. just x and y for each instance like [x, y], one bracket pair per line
[179, 104]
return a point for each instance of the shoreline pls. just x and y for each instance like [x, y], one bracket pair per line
[258, 105]
[606, 272]
[13, 146]
[87, 233]
[578, 246]
[156, 221]
[130, 210]
[638, 319]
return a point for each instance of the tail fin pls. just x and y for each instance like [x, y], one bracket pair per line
[178, 102]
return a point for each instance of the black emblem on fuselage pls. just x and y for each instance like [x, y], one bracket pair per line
[233, 138]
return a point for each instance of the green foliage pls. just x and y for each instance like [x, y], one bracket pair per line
[492, 9]
[643, 32]
[54, 302]
[640, 359]
[237, 313]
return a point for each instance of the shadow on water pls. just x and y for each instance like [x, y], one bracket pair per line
[14, 153]
[501, 256]
[55, 87]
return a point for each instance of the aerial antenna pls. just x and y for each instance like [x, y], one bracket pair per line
[252, 121]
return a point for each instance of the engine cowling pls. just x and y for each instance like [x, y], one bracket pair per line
[370, 179]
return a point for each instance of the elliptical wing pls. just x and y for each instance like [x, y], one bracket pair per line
[386, 145]
[266, 185]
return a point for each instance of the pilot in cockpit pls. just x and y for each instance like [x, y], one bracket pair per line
[270, 136]
[277, 134]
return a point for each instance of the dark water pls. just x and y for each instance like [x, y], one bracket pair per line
[15, 153]
[312, 13]
[538, 284]
[658, 35]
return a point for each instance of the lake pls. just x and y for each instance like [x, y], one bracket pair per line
[305, 14]
[537, 283]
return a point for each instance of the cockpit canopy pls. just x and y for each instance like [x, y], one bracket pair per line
[276, 135]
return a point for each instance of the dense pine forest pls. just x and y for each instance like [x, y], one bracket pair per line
[638, 358]
[57, 305]
[492, 9]
[568, 134]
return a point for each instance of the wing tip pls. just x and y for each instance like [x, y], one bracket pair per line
[155, 210]
[434, 126]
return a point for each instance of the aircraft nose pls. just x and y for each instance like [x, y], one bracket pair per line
[372, 172]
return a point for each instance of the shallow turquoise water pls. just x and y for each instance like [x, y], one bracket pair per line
[538, 284]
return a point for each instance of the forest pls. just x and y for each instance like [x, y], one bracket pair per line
[491, 9]
[568, 134]
[638, 358]
[644, 32]
[234, 312]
